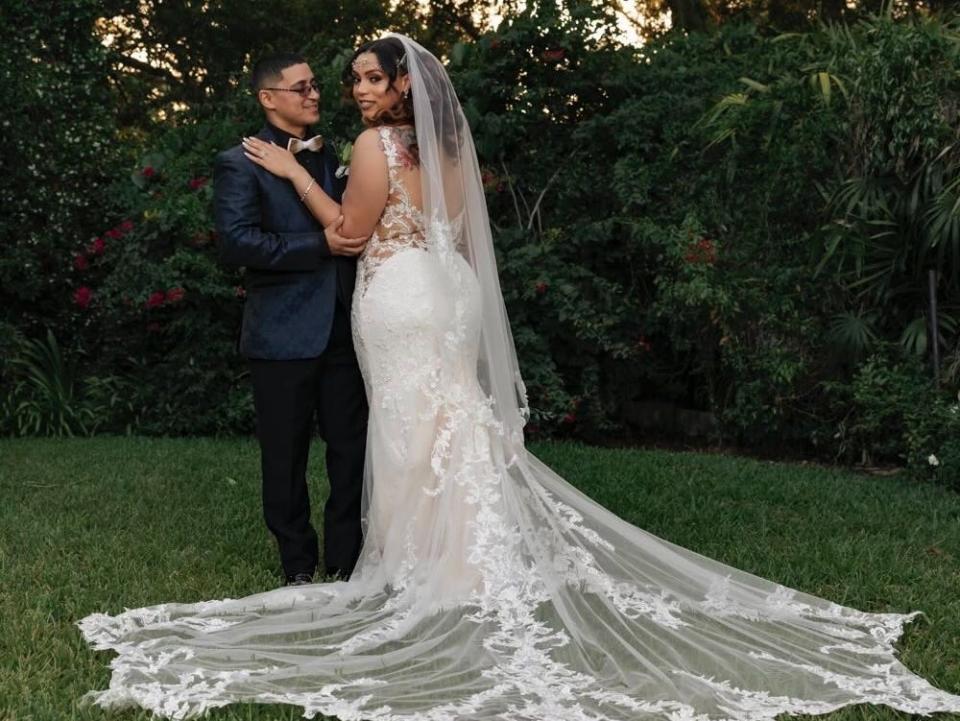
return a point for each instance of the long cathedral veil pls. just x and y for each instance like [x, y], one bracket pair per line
[563, 611]
[453, 197]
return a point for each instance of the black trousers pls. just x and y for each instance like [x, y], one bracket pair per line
[289, 396]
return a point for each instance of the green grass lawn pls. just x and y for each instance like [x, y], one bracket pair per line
[104, 524]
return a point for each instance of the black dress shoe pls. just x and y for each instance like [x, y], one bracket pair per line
[300, 579]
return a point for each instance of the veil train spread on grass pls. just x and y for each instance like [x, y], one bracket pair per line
[488, 587]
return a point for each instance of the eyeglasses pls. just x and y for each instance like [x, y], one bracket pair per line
[302, 90]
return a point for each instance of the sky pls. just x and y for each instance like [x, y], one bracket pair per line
[628, 32]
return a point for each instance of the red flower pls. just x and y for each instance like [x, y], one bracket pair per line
[554, 55]
[197, 183]
[126, 226]
[175, 295]
[80, 261]
[240, 291]
[489, 180]
[114, 234]
[97, 247]
[154, 327]
[569, 418]
[541, 287]
[156, 299]
[148, 172]
[82, 296]
[703, 251]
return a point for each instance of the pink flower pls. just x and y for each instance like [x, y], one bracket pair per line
[114, 234]
[82, 296]
[156, 299]
[197, 183]
[240, 291]
[148, 172]
[569, 418]
[97, 247]
[80, 261]
[126, 226]
[175, 295]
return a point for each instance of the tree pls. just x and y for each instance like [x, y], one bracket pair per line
[60, 155]
[169, 56]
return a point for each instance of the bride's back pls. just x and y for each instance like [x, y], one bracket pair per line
[402, 219]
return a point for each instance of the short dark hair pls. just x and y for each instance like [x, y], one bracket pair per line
[268, 69]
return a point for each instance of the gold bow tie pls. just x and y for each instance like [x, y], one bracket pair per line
[314, 144]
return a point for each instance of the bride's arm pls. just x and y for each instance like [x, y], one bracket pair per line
[367, 187]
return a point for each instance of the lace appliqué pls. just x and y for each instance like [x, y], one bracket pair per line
[402, 225]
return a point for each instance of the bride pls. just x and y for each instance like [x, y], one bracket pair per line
[488, 587]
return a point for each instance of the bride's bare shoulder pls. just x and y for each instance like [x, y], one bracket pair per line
[368, 150]
[371, 139]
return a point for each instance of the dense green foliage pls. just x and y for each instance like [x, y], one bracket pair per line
[737, 222]
[60, 151]
[105, 524]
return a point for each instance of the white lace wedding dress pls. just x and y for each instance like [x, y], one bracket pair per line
[488, 587]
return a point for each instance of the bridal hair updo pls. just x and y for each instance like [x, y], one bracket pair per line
[390, 53]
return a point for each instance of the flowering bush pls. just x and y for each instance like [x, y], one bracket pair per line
[168, 312]
[61, 155]
[891, 413]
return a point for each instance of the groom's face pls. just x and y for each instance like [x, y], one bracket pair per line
[294, 99]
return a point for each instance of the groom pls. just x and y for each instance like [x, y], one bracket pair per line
[296, 325]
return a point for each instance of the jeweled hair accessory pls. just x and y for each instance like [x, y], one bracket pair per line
[362, 62]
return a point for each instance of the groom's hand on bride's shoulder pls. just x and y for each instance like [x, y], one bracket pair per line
[338, 244]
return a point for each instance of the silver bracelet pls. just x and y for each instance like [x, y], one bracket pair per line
[307, 189]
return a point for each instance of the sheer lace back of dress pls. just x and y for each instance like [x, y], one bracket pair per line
[401, 226]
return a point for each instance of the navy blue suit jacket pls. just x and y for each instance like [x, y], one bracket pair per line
[292, 280]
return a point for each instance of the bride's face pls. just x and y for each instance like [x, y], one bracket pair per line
[372, 89]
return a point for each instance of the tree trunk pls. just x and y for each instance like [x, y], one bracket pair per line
[688, 14]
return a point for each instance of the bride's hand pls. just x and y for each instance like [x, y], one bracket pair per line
[279, 161]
